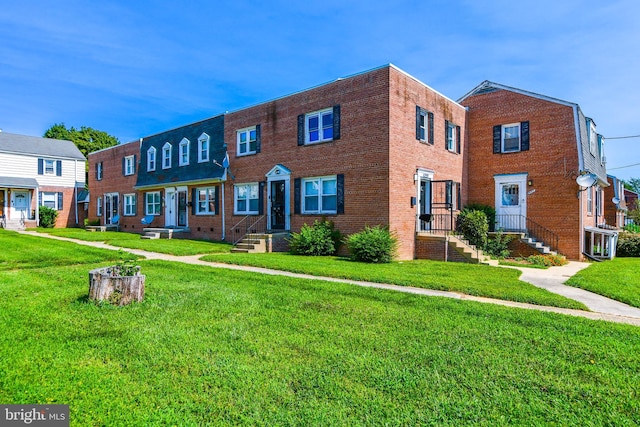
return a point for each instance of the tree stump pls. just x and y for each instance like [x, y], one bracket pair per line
[119, 285]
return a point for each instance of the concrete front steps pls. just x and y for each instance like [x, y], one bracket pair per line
[254, 243]
[539, 246]
[469, 252]
[14, 225]
[160, 233]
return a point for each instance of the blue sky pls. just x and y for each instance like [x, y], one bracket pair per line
[135, 68]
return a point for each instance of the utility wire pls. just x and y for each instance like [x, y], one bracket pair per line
[621, 137]
[624, 167]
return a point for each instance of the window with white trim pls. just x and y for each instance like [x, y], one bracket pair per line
[424, 125]
[129, 165]
[99, 206]
[152, 203]
[206, 201]
[203, 148]
[183, 150]
[511, 138]
[451, 137]
[99, 171]
[166, 156]
[151, 159]
[246, 141]
[50, 200]
[590, 201]
[246, 199]
[319, 126]
[320, 195]
[593, 137]
[129, 204]
[49, 167]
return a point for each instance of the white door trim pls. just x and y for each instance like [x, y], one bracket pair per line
[170, 207]
[519, 206]
[280, 173]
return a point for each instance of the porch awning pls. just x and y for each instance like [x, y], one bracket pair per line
[15, 182]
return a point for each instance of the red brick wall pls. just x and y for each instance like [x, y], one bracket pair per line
[551, 162]
[66, 216]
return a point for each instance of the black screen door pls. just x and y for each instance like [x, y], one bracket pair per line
[277, 205]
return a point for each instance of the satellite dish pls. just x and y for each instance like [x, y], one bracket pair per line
[615, 200]
[586, 180]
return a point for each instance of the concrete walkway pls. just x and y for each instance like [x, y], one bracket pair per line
[552, 279]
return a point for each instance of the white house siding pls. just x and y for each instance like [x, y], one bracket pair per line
[26, 166]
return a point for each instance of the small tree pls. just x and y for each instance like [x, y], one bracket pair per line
[473, 225]
[48, 217]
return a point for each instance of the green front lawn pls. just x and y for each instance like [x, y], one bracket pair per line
[222, 347]
[618, 279]
[178, 247]
[479, 280]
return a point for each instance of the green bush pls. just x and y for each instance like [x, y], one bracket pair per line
[628, 245]
[489, 211]
[319, 239]
[473, 226]
[632, 228]
[48, 217]
[499, 246]
[373, 244]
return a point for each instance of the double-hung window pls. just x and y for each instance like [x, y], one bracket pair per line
[319, 195]
[511, 138]
[247, 141]
[151, 159]
[424, 125]
[593, 137]
[99, 206]
[203, 148]
[246, 199]
[319, 126]
[99, 171]
[51, 200]
[166, 156]
[152, 203]
[206, 201]
[183, 150]
[451, 137]
[49, 167]
[129, 165]
[589, 201]
[129, 204]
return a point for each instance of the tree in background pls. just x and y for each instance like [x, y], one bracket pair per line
[86, 139]
[632, 184]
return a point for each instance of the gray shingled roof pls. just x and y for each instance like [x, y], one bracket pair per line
[23, 144]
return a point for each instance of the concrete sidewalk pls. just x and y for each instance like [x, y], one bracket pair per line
[553, 279]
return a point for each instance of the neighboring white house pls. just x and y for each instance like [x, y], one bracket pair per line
[38, 172]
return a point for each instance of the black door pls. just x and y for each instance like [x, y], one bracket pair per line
[277, 205]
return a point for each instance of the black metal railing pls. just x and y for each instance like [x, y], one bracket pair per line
[522, 224]
[250, 224]
[437, 222]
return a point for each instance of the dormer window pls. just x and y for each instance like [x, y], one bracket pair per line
[166, 156]
[593, 138]
[151, 159]
[184, 152]
[203, 148]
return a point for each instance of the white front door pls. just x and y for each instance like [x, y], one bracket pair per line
[20, 202]
[511, 202]
[170, 207]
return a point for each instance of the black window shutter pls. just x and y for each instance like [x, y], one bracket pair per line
[60, 201]
[135, 204]
[418, 115]
[258, 138]
[216, 201]
[430, 117]
[301, 129]
[297, 186]
[40, 167]
[446, 131]
[58, 167]
[124, 168]
[194, 200]
[40, 198]
[97, 176]
[261, 186]
[134, 163]
[336, 121]
[458, 141]
[340, 194]
[524, 136]
[497, 139]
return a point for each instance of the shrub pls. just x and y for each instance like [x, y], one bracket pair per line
[547, 260]
[498, 246]
[373, 244]
[632, 228]
[628, 245]
[473, 226]
[319, 239]
[489, 211]
[48, 217]
[91, 222]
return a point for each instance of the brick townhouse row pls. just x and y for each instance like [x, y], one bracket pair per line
[378, 147]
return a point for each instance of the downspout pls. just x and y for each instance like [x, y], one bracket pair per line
[580, 168]
[75, 188]
[224, 233]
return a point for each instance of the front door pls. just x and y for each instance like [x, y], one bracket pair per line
[2, 203]
[424, 212]
[511, 202]
[278, 207]
[182, 208]
[111, 206]
[170, 208]
[21, 204]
